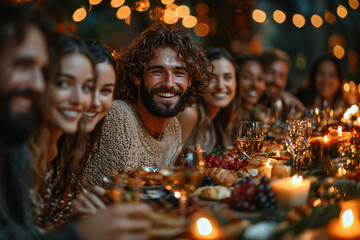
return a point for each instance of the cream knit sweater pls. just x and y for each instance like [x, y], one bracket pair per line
[126, 144]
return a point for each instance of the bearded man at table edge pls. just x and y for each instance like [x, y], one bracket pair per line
[160, 73]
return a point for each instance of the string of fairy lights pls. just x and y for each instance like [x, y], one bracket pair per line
[170, 13]
[316, 20]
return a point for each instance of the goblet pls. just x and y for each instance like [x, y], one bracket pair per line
[250, 138]
[181, 180]
[297, 139]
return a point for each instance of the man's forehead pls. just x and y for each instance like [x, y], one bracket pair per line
[165, 57]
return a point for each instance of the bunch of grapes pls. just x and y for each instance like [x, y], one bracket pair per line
[225, 160]
[207, 182]
[250, 197]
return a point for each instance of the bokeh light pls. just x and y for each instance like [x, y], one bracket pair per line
[156, 13]
[182, 11]
[339, 51]
[94, 2]
[316, 20]
[330, 17]
[354, 4]
[172, 7]
[298, 20]
[202, 8]
[142, 5]
[170, 16]
[123, 12]
[300, 61]
[341, 11]
[259, 16]
[201, 29]
[79, 14]
[189, 21]
[279, 16]
[166, 2]
[116, 3]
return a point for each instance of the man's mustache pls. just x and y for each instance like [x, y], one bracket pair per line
[162, 89]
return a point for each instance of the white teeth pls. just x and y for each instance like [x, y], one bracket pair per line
[90, 114]
[166, 94]
[252, 94]
[70, 113]
[220, 95]
[23, 102]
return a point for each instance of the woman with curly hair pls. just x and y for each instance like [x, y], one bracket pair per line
[162, 71]
[208, 122]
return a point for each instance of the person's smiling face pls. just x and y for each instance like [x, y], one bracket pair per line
[103, 95]
[71, 92]
[252, 82]
[222, 88]
[327, 80]
[165, 83]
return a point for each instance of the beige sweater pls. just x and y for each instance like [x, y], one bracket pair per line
[126, 144]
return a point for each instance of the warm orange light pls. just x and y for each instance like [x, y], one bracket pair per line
[202, 8]
[326, 139]
[279, 16]
[317, 202]
[259, 16]
[94, 2]
[156, 13]
[201, 29]
[316, 20]
[341, 11]
[339, 51]
[339, 130]
[142, 5]
[123, 12]
[168, 187]
[296, 179]
[347, 218]
[204, 226]
[189, 21]
[177, 194]
[79, 14]
[116, 3]
[346, 87]
[182, 11]
[298, 20]
[166, 2]
[170, 16]
[354, 4]
[330, 17]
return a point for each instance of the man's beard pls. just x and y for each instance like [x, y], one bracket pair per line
[165, 110]
[16, 128]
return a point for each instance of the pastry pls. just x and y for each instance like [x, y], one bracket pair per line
[214, 192]
[222, 176]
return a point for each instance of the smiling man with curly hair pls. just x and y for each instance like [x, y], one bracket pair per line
[161, 72]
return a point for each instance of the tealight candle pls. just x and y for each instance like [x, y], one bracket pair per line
[265, 170]
[347, 226]
[204, 226]
[291, 192]
[280, 170]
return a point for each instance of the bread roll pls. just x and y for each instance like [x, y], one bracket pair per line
[222, 176]
[215, 192]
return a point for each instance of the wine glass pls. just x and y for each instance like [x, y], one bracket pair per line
[297, 139]
[181, 180]
[250, 138]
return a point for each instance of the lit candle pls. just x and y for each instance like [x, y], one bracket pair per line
[204, 228]
[265, 170]
[347, 226]
[291, 192]
[280, 170]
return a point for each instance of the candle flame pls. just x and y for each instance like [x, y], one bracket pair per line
[316, 111]
[296, 179]
[326, 139]
[347, 218]
[177, 194]
[204, 226]
[317, 202]
[267, 164]
[340, 130]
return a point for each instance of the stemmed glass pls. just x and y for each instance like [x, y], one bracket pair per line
[182, 180]
[297, 139]
[250, 138]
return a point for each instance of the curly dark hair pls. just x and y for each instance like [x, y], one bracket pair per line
[142, 49]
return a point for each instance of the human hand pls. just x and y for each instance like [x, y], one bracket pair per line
[125, 221]
[89, 203]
